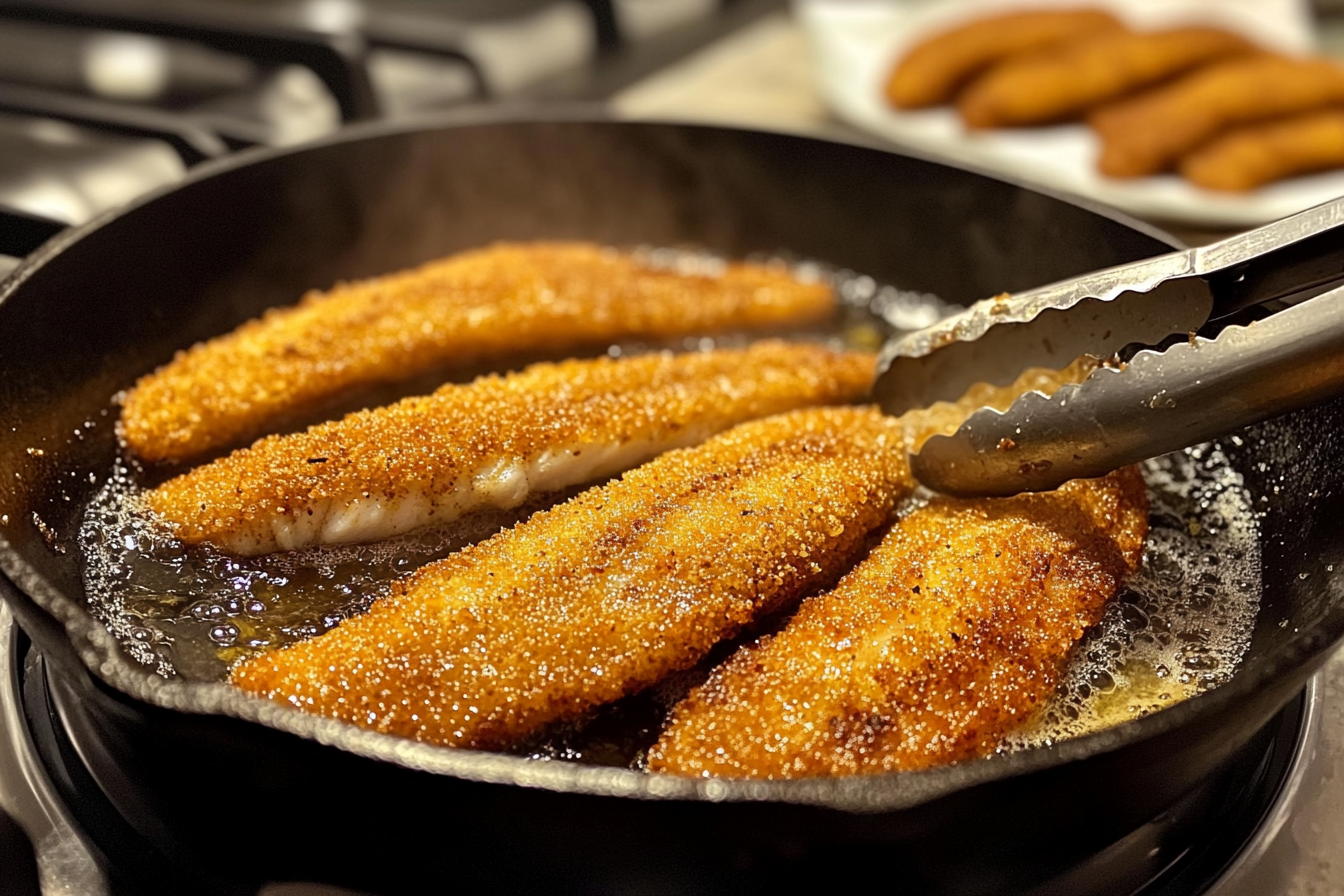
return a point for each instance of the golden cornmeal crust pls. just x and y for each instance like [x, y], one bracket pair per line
[1153, 131]
[606, 593]
[620, 586]
[943, 417]
[934, 70]
[1051, 86]
[437, 445]
[478, 304]
[953, 630]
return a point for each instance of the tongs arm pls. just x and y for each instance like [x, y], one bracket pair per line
[1289, 260]
[1160, 401]
[1245, 374]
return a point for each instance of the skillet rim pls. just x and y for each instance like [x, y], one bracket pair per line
[103, 658]
[524, 114]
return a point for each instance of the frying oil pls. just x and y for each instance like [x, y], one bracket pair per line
[1181, 626]
[1183, 622]
[193, 611]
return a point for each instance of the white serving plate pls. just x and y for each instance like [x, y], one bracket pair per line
[855, 43]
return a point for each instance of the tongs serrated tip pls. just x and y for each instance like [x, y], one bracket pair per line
[995, 339]
[1160, 400]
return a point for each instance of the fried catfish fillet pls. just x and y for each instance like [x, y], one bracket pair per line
[933, 71]
[492, 443]
[1150, 133]
[611, 591]
[479, 304]
[1057, 85]
[1256, 155]
[607, 593]
[950, 634]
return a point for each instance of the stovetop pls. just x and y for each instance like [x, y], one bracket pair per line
[103, 100]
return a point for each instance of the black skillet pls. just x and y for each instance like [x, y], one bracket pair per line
[250, 792]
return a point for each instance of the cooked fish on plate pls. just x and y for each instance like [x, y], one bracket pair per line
[1044, 88]
[1152, 132]
[1249, 157]
[1026, 115]
[932, 72]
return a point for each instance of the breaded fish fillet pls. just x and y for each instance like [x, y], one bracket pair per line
[1256, 155]
[952, 631]
[933, 71]
[1150, 133]
[607, 593]
[1056, 85]
[491, 443]
[479, 304]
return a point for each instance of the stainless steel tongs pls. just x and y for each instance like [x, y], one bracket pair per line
[1199, 358]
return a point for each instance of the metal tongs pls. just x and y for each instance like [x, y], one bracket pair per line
[1208, 340]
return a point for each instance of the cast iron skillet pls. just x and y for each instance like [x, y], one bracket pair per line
[253, 792]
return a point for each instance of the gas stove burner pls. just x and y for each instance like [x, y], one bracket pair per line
[102, 101]
[83, 845]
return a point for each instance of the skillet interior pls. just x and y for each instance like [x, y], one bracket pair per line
[97, 307]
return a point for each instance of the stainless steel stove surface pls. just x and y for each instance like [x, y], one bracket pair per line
[103, 100]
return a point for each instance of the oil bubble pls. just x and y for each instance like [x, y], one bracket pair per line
[1190, 608]
[224, 634]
